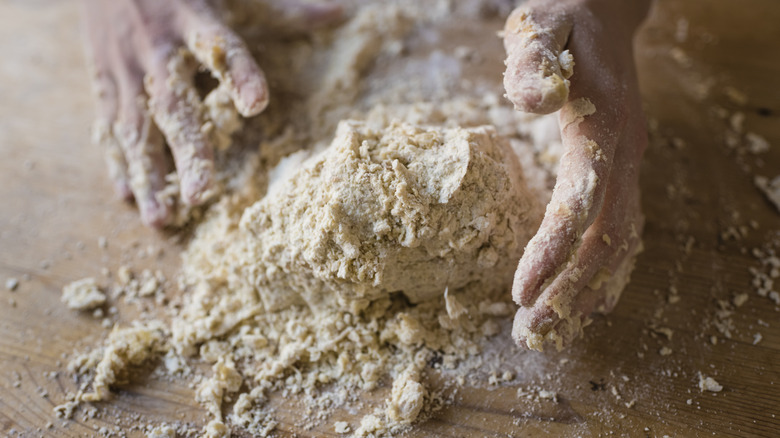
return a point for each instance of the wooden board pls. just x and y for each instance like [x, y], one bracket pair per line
[55, 202]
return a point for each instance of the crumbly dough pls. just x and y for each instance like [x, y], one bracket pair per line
[709, 384]
[126, 347]
[406, 399]
[223, 118]
[162, 431]
[341, 427]
[405, 209]
[83, 294]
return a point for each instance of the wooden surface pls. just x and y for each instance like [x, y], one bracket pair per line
[55, 202]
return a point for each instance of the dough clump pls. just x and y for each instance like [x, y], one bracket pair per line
[83, 294]
[406, 208]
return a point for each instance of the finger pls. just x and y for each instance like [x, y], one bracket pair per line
[228, 59]
[593, 283]
[103, 136]
[107, 97]
[560, 334]
[178, 112]
[537, 66]
[535, 327]
[590, 131]
[105, 91]
[577, 198]
[610, 242]
[143, 149]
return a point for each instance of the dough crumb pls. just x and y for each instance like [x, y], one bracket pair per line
[548, 395]
[162, 431]
[740, 299]
[341, 427]
[708, 384]
[216, 429]
[65, 410]
[407, 397]
[770, 188]
[83, 294]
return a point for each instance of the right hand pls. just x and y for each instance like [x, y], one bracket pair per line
[579, 260]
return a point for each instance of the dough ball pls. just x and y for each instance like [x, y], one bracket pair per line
[410, 209]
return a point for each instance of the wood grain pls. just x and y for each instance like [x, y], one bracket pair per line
[56, 202]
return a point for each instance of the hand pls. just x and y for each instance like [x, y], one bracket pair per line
[580, 259]
[145, 92]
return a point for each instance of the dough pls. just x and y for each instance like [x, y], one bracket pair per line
[83, 294]
[409, 209]
[407, 396]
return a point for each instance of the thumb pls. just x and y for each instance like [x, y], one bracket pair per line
[537, 67]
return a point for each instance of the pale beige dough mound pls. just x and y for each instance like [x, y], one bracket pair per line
[403, 209]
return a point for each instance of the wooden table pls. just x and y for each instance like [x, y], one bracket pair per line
[55, 203]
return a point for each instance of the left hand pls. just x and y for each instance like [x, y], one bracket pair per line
[146, 95]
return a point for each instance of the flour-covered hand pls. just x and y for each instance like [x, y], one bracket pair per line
[576, 56]
[146, 96]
